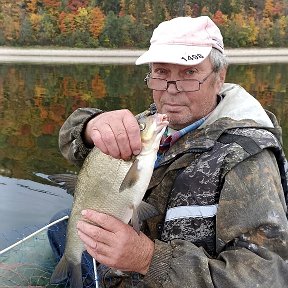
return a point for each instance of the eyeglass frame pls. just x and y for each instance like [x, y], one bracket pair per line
[148, 76]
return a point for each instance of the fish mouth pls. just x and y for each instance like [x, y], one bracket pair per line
[162, 120]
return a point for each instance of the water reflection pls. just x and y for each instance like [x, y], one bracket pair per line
[36, 99]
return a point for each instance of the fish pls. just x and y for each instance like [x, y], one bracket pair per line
[112, 186]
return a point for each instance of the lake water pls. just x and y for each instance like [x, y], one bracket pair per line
[37, 98]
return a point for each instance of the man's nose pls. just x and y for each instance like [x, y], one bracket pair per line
[172, 87]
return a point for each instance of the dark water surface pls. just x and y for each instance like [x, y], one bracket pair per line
[35, 101]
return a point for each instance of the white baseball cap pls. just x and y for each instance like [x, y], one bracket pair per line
[184, 41]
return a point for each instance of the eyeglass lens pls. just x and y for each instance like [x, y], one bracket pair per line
[189, 85]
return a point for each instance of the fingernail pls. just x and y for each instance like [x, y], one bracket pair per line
[136, 152]
[84, 212]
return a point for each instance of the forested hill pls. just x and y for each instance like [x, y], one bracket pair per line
[129, 23]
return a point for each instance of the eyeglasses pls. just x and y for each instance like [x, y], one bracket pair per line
[186, 85]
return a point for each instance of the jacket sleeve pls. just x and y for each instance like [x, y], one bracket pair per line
[71, 143]
[251, 236]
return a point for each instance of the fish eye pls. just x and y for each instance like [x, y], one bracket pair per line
[142, 126]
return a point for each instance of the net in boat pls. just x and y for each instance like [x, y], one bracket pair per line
[30, 263]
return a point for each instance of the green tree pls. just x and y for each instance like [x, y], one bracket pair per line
[116, 32]
[48, 30]
[25, 32]
[108, 5]
[160, 13]
[226, 7]
[280, 31]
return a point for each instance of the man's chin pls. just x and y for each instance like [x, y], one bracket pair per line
[175, 122]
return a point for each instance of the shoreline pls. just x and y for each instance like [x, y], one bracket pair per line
[125, 56]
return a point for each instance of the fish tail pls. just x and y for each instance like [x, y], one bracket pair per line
[64, 269]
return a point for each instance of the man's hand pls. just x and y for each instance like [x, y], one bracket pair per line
[114, 243]
[115, 133]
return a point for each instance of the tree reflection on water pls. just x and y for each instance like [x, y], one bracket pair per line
[36, 100]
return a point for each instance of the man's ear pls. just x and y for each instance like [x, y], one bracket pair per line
[221, 79]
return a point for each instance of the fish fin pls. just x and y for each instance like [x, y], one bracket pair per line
[131, 177]
[143, 212]
[61, 271]
[76, 277]
[66, 181]
[135, 220]
[64, 269]
[146, 211]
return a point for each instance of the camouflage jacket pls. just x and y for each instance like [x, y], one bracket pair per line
[222, 219]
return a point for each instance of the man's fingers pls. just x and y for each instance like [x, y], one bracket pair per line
[103, 220]
[90, 234]
[92, 244]
[115, 133]
[134, 134]
[98, 142]
[101, 257]
[122, 141]
[109, 140]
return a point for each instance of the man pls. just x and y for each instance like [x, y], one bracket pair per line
[216, 183]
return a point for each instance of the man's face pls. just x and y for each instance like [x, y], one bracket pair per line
[184, 108]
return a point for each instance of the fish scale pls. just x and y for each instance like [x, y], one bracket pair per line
[111, 186]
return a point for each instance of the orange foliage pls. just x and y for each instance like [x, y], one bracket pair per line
[32, 6]
[219, 18]
[10, 19]
[268, 8]
[35, 20]
[239, 18]
[25, 130]
[56, 112]
[52, 3]
[98, 87]
[66, 22]
[205, 11]
[266, 24]
[69, 84]
[43, 113]
[48, 128]
[21, 142]
[122, 9]
[97, 19]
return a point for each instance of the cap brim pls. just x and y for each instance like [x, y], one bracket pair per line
[174, 54]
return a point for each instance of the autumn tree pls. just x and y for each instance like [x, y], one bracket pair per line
[240, 31]
[219, 18]
[88, 23]
[54, 4]
[10, 20]
[75, 5]
[96, 22]
[32, 6]
[268, 9]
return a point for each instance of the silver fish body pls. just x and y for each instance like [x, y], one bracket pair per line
[111, 186]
